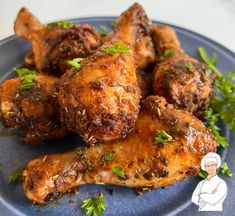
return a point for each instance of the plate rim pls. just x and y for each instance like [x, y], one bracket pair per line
[113, 18]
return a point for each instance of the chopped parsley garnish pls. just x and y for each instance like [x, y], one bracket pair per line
[225, 169]
[94, 206]
[189, 66]
[113, 24]
[27, 76]
[75, 63]
[211, 120]
[107, 157]
[15, 176]
[162, 137]
[119, 172]
[117, 48]
[64, 23]
[103, 31]
[169, 53]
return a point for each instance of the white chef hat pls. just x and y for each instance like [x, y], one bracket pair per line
[210, 157]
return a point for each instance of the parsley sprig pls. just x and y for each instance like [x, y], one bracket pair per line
[94, 206]
[119, 172]
[15, 175]
[162, 137]
[108, 156]
[118, 48]
[225, 169]
[27, 76]
[75, 63]
[168, 52]
[103, 31]
[63, 23]
[209, 61]
[211, 120]
[224, 101]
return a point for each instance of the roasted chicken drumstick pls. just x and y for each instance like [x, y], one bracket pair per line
[165, 147]
[179, 78]
[100, 101]
[34, 110]
[53, 45]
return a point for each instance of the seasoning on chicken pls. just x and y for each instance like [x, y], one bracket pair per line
[100, 101]
[31, 107]
[179, 78]
[166, 146]
[53, 45]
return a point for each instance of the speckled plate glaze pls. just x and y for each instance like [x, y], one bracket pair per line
[172, 200]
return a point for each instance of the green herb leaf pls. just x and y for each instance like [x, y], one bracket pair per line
[224, 102]
[118, 47]
[1, 165]
[75, 63]
[189, 66]
[211, 120]
[119, 172]
[28, 77]
[113, 24]
[94, 206]
[162, 137]
[203, 174]
[107, 157]
[52, 25]
[208, 72]
[15, 176]
[64, 23]
[169, 53]
[210, 62]
[21, 72]
[225, 169]
[231, 75]
[103, 31]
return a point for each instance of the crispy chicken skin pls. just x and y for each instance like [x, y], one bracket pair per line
[179, 78]
[53, 46]
[144, 163]
[34, 111]
[101, 100]
[144, 83]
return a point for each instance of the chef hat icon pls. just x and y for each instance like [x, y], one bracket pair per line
[210, 157]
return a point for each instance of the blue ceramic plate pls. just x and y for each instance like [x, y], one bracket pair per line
[172, 200]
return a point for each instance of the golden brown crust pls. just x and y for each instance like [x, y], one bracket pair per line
[101, 100]
[53, 46]
[144, 163]
[34, 111]
[180, 79]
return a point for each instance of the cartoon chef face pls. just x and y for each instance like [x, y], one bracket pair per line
[211, 168]
[210, 163]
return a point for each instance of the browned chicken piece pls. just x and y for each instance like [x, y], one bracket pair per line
[144, 51]
[179, 78]
[34, 111]
[54, 45]
[101, 100]
[144, 83]
[144, 159]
